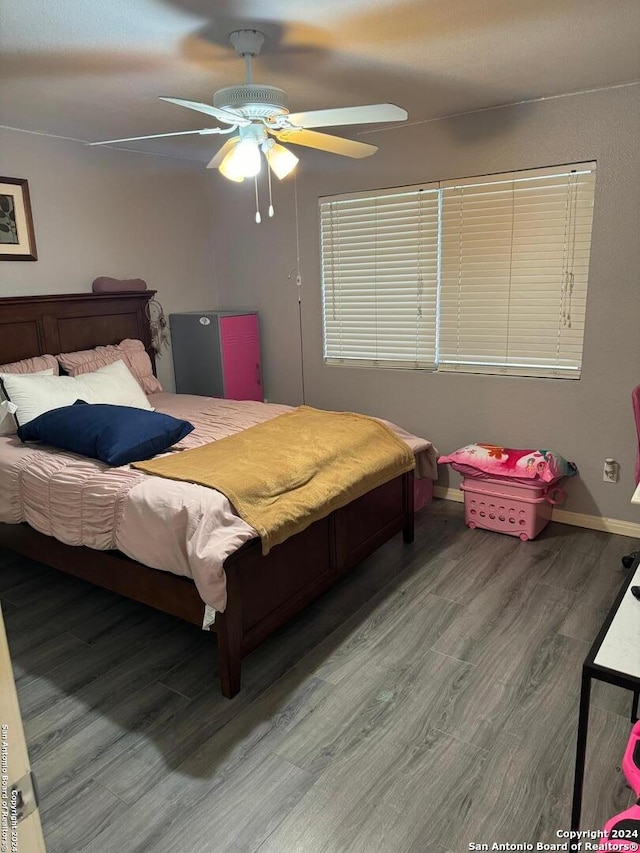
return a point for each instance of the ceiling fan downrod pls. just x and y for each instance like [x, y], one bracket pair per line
[247, 44]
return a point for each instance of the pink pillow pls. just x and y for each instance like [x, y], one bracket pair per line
[32, 365]
[130, 351]
[106, 284]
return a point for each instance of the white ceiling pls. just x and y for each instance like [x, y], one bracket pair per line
[92, 69]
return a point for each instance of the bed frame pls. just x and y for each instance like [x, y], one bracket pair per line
[263, 592]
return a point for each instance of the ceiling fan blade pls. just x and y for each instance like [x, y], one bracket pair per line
[222, 153]
[203, 132]
[221, 115]
[326, 142]
[348, 115]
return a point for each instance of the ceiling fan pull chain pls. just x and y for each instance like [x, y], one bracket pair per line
[258, 217]
[271, 210]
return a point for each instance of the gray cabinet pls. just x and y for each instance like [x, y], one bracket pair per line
[217, 354]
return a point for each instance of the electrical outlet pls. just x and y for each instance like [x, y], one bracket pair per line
[610, 471]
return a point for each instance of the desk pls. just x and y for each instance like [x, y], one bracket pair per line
[614, 657]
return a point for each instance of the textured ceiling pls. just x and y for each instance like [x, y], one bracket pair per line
[93, 70]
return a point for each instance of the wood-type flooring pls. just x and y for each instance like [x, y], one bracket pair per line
[426, 703]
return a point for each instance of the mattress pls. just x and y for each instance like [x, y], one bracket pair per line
[168, 525]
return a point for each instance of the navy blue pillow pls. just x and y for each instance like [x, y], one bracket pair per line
[114, 434]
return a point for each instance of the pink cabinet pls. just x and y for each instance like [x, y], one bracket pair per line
[217, 354]
[240, 347]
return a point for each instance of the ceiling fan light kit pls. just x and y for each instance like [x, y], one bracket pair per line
[255, 113]
[236, 166]
[281, 161]
[243, 160]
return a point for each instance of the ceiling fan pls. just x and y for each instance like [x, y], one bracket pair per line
[260, 116]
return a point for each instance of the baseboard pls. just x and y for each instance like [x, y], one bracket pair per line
[448, 494]
[577, 519]
[597, 522]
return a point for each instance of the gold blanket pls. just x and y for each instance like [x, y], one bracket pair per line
[286, 473]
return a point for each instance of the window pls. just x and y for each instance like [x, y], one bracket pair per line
[380, 275]
[485, 275]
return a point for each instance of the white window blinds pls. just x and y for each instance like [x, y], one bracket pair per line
[484, 275]
[380, 277]
[515, 262]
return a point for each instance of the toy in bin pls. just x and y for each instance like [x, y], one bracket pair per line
[510, 491]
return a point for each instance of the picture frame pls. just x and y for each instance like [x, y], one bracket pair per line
[17, 237]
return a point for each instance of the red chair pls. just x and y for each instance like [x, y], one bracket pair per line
[635, 402]
[628, 561]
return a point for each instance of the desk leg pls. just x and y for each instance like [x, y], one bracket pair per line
[581, 749]
[634, 706]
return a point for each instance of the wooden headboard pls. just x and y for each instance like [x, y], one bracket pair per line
[35, 325]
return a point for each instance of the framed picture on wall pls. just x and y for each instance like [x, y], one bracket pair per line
[17, 239]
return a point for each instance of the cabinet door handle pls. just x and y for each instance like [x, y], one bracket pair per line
[258, 377]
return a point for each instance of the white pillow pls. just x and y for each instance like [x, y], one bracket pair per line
[8, 425]
[35, 395]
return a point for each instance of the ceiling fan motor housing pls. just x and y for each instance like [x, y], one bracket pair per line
[252, 101]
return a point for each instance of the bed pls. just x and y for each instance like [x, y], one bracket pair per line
[262, 592]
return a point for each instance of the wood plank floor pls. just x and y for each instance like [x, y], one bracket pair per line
[428, 702]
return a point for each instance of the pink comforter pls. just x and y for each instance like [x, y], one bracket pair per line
[161, 523]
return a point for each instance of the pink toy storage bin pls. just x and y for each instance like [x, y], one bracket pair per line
[508, 507]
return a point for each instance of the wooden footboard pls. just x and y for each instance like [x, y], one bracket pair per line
[262, 592]
[265, 592]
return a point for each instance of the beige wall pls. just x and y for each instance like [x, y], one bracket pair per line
[585, 420]
[104, 212]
